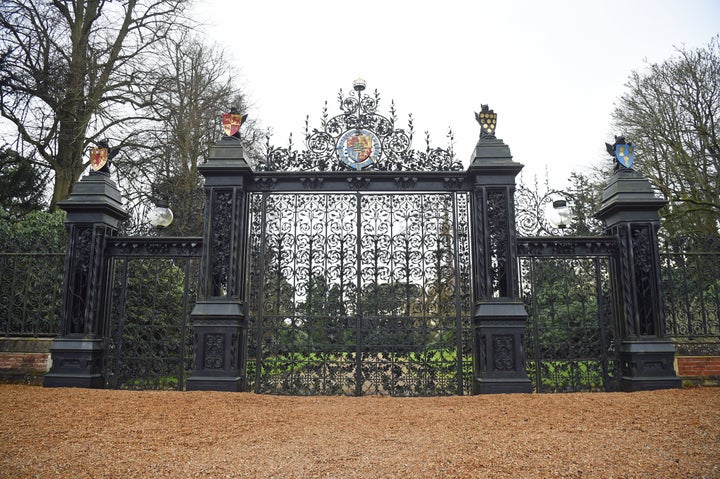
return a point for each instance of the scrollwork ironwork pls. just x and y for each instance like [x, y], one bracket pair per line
[497, 217]
[571, 328]
[79, 276]
[220, 241]
[149, 340]
[503, 352]
[644, 258]
[360, 293]
[214, 351]
[378, 143]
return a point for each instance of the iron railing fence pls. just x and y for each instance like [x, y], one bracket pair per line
[691, 293]
[30, 294]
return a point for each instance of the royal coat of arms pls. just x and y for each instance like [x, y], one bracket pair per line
[358, 148]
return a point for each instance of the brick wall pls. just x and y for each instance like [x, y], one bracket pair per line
[698, 365]
[700, 370]
[24, 360]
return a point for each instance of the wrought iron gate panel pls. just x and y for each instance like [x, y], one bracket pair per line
[149, 341]
[359, 294]
[570, 339]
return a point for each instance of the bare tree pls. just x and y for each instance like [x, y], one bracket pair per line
[70, 70]
[190, 87]
[671, 112]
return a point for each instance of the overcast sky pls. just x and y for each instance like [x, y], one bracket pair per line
[550, 69]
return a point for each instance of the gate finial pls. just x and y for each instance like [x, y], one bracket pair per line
[488, 121]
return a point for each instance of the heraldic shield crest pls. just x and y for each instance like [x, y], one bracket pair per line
[358, 148]
[98, 158]
[625, 154]
[231, 122]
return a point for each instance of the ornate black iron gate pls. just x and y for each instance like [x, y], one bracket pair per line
[321, 276]
[571, 337]
[153, 286]
[359, 293]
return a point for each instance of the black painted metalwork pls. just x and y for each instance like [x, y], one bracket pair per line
[370, 268]
[571, 335]
[30, 293]
[374, 142]
[219, 316]
[359, 293]
[94, 210]
[499, 317]
[154, 287]
[629, 211]
[150, 341]
[155, 246]
[691, 293]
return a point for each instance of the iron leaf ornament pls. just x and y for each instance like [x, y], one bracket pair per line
[623, 152]
[359, 138]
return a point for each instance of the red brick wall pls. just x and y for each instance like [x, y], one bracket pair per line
[24, 362]
[696, 366]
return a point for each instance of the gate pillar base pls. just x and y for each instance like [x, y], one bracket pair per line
[498, 338]
[219, 364]
[76, 363]
[648, 365]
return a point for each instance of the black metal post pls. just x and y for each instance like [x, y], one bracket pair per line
[630, 213]
[499, 317]
[220, 316]
[94, 210]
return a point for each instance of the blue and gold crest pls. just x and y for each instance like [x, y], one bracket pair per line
[625, 154]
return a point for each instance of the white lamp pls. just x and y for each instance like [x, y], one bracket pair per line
[559, 214]
[161, 216]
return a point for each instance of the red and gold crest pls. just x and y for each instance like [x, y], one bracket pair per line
[231, 123]
[98, 158]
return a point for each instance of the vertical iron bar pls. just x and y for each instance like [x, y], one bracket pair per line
[183, 326]
[121, 324]
[458, 305]
[261, 294]
[359, 306]
[684, 282]
[536, 326]
[603, 324]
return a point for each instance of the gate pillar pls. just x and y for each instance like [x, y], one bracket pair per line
[499, 316]
[219, 317]
[629, 211]
[94, 210]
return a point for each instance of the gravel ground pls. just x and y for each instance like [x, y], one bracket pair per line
[80, 433]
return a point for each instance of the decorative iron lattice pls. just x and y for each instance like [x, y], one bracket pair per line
[647, 300]
[149, 336]
[691, 292]
[570, 337]
[531, 213]
[359, 294]
[30, 293]
[357, 138]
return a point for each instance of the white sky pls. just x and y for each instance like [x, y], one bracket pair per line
[551, 69]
